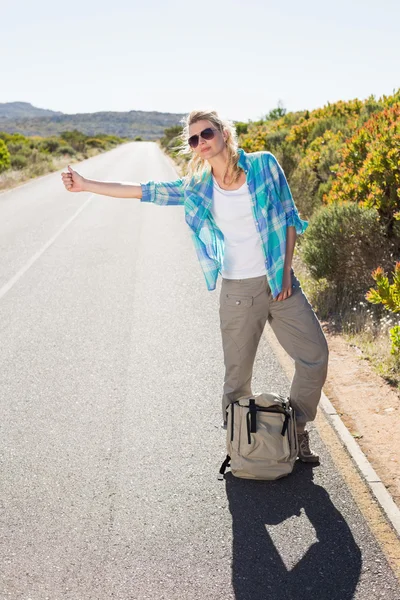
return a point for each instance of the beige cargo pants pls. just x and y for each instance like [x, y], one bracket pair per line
[245, 306]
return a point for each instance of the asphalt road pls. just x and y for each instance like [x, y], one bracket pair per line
[111, 372]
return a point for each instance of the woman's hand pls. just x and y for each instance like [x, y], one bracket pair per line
[286, 286]
[73, 181]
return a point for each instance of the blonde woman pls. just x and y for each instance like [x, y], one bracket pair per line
[244, 225]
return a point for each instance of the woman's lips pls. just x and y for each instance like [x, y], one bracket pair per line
[204, 149]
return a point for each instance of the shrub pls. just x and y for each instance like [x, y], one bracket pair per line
[339, 116]
[388, 294]
[272, 135]
[18, 148]
[343, 243]
[304, 185]
[96, 143]
[241, 127]
[313, 176]
[19, 161]
[13, 137]
[369, 173]
[171, 133]
[64, 149]
[49, 145]
[112, 140]
[276, 113]
[76, 139]
[5, 159]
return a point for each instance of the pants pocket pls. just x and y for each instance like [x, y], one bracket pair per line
[235, 320]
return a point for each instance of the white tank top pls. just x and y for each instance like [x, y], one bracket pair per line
[232, 212]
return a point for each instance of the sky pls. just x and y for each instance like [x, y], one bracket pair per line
[240, 57]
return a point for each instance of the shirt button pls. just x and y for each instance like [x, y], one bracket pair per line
[237, 301]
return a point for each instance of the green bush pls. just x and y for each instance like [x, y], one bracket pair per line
[171, 133]
[65, 149]
[49, 145]
[312, 177]
[18, 148]
[304, 185]
[13, 137]
[343, 244]
[34, 154]
[287, 156]
[388, 294]
[276, 113]
[241, 127]
[76, 139]
[19, 161]
[96, 143]
[5, 159]
[369, 173]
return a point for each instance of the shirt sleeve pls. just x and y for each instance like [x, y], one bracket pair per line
[164, 193]
[209, 266]
[285, 195]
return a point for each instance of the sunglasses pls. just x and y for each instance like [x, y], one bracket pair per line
[206, 134]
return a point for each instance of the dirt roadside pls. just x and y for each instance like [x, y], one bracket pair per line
[368, 406]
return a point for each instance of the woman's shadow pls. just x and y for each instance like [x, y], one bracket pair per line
[330, 568]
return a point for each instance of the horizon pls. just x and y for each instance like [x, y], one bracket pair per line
[377, 97]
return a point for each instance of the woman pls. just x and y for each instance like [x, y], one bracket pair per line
[244, 225]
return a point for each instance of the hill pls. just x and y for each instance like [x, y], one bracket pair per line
[24, 110]
[22, 117]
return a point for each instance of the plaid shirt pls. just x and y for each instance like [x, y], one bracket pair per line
[272, 205]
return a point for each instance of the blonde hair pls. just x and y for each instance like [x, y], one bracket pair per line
[198, 166]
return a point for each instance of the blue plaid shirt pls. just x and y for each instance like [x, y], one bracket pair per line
[272, 205]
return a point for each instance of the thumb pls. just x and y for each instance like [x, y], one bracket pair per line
[71, 170]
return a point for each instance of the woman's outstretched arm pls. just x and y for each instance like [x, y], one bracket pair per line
[74, 182]
[159, 192]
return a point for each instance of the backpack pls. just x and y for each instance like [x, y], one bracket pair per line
[261, 437]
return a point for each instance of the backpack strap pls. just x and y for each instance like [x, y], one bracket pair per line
[232, 420]
[285, 424]
[223, 468]
[253, 415]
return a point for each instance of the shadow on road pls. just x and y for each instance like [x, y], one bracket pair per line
[329, 568]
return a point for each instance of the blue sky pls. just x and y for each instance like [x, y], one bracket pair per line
[239, 57]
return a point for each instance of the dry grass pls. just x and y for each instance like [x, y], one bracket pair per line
[13, 178]
[376, 349]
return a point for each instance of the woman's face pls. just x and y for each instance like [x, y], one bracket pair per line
[207, 148]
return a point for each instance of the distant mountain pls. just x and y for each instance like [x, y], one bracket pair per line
[22, 117]
[22, 110]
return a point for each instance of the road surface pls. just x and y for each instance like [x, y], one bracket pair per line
[111, 373]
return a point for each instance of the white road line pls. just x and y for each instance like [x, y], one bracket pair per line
[7, 287]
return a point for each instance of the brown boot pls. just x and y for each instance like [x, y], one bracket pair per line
[305, 453]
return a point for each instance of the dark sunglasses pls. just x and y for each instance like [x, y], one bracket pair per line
[206, 134]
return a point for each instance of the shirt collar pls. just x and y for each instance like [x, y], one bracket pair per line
[242, 162]
[204, 186]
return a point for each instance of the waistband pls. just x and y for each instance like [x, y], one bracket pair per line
[249, 279]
